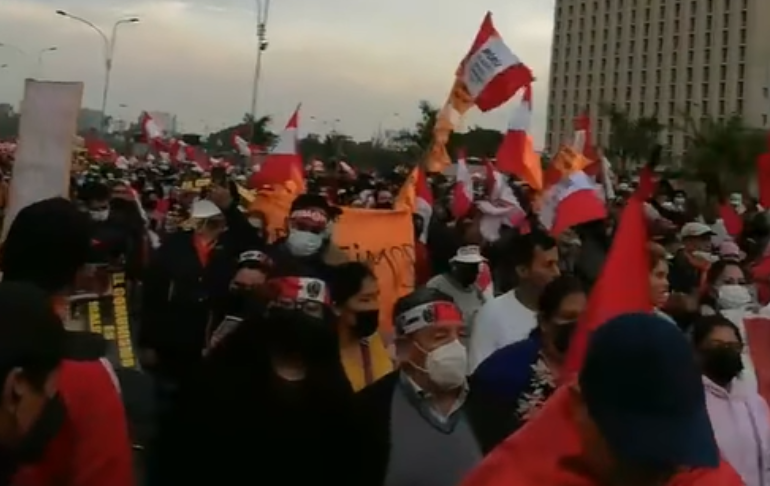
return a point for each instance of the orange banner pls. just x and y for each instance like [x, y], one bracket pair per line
[382, 239]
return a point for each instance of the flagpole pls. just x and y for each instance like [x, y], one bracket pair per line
[263, 9]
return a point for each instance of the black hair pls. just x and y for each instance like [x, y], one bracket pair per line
[555, 292]
[32, 337]
[702, 327]
[420, 296]
[717, 269]
[46, 245]
[524, 246]
[95, 191]
[347, 280]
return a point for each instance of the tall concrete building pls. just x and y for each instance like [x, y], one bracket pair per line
[661, 58]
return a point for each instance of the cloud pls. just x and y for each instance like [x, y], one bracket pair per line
[358, 61]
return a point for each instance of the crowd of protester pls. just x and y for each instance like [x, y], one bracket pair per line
[268, 363]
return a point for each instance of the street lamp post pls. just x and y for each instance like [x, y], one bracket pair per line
[109, 51]
[263, 9]
[40, 58]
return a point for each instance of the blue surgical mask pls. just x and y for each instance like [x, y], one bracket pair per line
[304, 243]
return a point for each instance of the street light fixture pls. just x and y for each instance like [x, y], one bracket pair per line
[263, 9]
[109, 51]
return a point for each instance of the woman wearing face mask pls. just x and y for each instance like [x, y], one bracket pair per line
[726, 289]
[355, 294]
[423, 424]
[274, 397]
[524, 374]
[739, 415]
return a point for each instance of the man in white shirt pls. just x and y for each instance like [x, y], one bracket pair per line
[512, 316]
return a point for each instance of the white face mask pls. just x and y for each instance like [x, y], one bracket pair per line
[255, 223]
[304, 243]
[705, 256]
[100, 215]
[733, 297]
[679, 202]
[447, 365]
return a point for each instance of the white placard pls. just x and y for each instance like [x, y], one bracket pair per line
[49, 114]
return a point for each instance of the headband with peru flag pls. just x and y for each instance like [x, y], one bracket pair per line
[440, 313]
[299, 289]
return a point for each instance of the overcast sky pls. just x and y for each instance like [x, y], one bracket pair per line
[364, 62]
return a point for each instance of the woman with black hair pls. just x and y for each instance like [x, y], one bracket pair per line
[273, 396]
[739, 415]
[356, 298]
[524, 374]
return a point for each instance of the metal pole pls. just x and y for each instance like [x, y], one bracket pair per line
[262, 15]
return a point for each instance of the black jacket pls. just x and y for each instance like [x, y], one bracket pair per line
[490, 423]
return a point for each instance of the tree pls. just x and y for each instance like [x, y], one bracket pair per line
[262, 136]
[630, 140]
[721, 152]
[416, 141]
[9, 124]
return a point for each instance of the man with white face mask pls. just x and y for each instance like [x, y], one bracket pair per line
[422, 424]
[308, 241]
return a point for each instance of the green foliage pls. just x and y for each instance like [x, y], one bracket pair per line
[630, 140]
[721, 152]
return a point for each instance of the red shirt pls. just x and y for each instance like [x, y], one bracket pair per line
[545, 451]
[93, 447]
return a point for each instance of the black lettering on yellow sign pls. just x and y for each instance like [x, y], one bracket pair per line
[120, 332]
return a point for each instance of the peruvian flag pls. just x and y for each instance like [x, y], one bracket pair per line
[571, 201]
[501, 208]
[153, 133]
[462, 199]
[181, 152]
[490, 72]
[516, 155]
[284, 162]
[424, 202]
[241, 145]
[581, 142]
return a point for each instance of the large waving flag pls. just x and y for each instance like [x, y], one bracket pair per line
[623, 284]
[283, 163]
[516, 154]
[488, 76]
[570, 202]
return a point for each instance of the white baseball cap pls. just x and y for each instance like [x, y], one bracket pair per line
[203, 209]
[468, 254]
[695, 229]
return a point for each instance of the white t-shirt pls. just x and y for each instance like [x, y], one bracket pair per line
[500, 322]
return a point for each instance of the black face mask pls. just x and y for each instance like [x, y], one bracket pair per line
[562, 336]
[366, 323]
[722, 364]
[293, 332]
[466, 276]
[34, 443]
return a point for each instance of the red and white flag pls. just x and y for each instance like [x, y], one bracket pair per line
[241, 145]
[284, 161]
[491, 72]
[501, 208]
[462, 199]
[153, 133]
[571, 201]
[423, 202]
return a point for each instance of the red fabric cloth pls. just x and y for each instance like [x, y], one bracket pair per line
[422, 268]
[760, 274]
[547, 452]
[93, 447]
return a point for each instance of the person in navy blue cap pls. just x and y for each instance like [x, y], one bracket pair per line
[635, 416]
[643, 390]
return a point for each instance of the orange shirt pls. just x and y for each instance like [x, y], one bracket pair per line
[203, 249]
